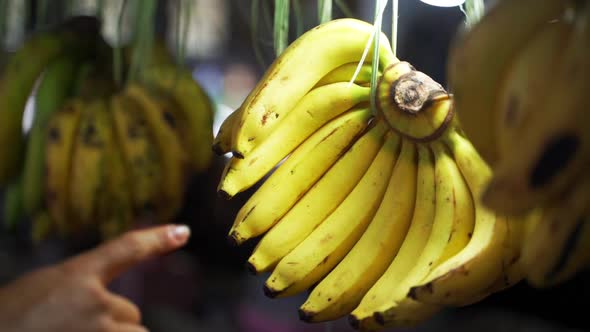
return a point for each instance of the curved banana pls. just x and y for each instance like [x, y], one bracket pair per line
[62, 133]
[56, 85]
[344, 287]
[140, 153]
[557, 247]
[172, 156]
[76, 36]
[301, 171]
[554, 147]
[88, 166]
[486, 51]
[314, 110]
[321, 199]
[454, 214]
[115, 208]
[468, 275]
[526, 80]
[345, 73]
[313, 258]
[222, 141]
[195, 105]
[292, 75]
[389, 286]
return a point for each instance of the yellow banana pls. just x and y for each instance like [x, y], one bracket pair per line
[321, 199]
[554, 145]
[557, 247]
[344, 287]
[390, 285]
[62, 133]
[301, 170]
[139, 153]
[526, 79]
[115, 208]
[313, 258]
[345, 73]
[296, 71]
[195, 105]
[313, 110]
[56, 85]
[88, 165]
[454, 210]
[485, 51]
[222, 141]
[464, 277]
[172, 157]
[76, 36]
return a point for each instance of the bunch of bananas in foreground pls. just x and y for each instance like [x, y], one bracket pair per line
[530, 119]
[377, 214]
[98, 156]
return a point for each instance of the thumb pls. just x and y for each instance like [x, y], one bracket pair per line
[116, 256]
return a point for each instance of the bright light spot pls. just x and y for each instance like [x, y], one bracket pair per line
[222, 112]
[444, 3]
[29, 114]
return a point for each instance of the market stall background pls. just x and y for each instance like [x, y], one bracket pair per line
[205, 287]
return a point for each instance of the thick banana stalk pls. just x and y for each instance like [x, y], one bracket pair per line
[325, 247]
[77, 37]
[296, 71]
[344, 287]
[486, 51]
[390, 286]
[321, 199]
[554, 147]
[196, 110]
[301, 171]
[62, 132]
[314, 110]
[172, 156]
[56, 85]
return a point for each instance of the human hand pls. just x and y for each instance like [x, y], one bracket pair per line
[73, 295]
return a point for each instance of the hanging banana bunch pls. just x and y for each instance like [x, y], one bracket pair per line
[523, 103]
[374, 211]
[102, 152]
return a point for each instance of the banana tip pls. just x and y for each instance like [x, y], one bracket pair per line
[223, 194]
[232, 239]
[269, 292]
[238, 154]
[251, 268]
[305, 315]
[216, 147]
[379, 318]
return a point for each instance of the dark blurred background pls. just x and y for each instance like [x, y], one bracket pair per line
[205, 287]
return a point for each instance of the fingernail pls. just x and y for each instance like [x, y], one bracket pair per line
[180, 233]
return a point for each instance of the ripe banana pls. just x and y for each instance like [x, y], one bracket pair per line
[313, 258]
[75, 36]
[558, 245]
[88, 165]
[56, 85]
[466, 276]
[390, 285]
[526, 80]
[555, 145]
[301, 170]
[222, 141]
[172, 156]
[321, 199]
[296, 71]
[344, 287]
[195, 105]
[62, 132]
[485, 51]
[311, 112]
[139, 153]
[454, 214]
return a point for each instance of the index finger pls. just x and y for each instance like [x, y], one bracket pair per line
[114, 257]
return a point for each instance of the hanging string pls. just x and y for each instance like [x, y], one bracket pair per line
[394, 19]
[324, 11]
[380, 6]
